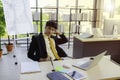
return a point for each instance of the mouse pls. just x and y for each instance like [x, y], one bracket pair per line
[66, 65]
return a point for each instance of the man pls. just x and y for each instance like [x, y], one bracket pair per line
[45, 46]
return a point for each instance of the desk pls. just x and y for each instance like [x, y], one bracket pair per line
[103, 71]
[93, 46]
[8, 69]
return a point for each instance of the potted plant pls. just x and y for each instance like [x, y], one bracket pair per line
[2, 32]
[9, 46]
[2, 26]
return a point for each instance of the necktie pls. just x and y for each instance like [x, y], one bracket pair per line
[52, 46]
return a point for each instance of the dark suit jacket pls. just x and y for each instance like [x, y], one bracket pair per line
[37, 48]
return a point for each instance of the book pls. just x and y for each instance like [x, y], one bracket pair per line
[29, 67]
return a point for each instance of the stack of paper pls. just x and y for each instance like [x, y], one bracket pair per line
[28, 67]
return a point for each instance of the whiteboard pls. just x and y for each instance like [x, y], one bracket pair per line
[18, 16]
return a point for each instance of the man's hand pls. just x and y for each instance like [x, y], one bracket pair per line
[44, 59]
[58, 32]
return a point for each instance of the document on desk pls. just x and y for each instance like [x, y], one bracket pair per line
[30, 67]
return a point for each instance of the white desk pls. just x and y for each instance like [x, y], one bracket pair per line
[103, 71]
[8, 69]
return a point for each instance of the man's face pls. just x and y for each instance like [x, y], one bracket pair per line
[50, 30]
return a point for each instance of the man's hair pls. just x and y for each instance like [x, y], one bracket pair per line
[51, 23]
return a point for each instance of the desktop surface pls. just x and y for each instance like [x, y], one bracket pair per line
[93, 39]
[9, 67]
[106, 69]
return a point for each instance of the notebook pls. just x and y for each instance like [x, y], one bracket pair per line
[28, 67]
[91, 63]
[56, 76]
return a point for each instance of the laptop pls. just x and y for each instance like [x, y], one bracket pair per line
[91, 63]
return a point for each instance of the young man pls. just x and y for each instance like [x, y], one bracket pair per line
[45, 46]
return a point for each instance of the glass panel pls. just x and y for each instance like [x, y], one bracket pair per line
[67, 3]
[111, 7]
[85, 3]
[117, 9]
[49, 9]
[107, 8]
[47, 3]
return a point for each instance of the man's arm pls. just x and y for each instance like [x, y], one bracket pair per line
[62, 38]
[31, 52]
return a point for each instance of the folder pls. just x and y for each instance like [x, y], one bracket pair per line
[29, 67]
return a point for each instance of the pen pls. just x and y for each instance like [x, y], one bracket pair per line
[73, 73]
[52, 64]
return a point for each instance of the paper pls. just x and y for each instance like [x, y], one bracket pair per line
[18, 16]
[76, 75]
[28, 67]
[61, 69]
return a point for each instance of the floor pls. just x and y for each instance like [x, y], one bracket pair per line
[21, 51]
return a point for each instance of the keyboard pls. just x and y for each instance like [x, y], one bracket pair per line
[85, 65]
[56, 76]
